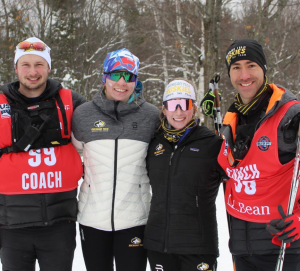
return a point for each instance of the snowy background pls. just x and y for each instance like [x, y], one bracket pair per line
[224, 261]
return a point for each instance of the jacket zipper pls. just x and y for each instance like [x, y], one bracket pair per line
[168, 202]
[178, 159]
[15, 128]
[247, 239]
[44, 214]
[115, 176]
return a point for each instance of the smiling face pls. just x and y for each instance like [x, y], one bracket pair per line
[246, 77]
[32, 72]
[179, 119]
[119, 90]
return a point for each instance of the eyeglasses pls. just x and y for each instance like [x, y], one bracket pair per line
[116, 76]
[26, 45]
[184, 104]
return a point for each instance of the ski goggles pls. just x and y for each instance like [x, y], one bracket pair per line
[26, 45]
[184, 104]
[116, 76]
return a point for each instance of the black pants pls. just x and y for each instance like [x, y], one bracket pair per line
[266, 262]
[53, 247]
[101, 248]
[180, 262]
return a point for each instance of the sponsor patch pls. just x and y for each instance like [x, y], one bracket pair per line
[202, 266]
[159, 149]
[67, 107]
[99, 126]
[5, 111]
[33, 107]
[194, 149]
[136, 242]
[264, 143]
[226, 148]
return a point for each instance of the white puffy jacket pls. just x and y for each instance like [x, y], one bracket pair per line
[115, 193]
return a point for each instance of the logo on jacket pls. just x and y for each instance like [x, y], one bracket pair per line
[159, 267]
[99, 124]
[194, 149]
[264, 143]
[134, 126]
[202, 266]
[5, 111]
[159, 149]
[67, 107]
[33, 107]
[226, 148]
[136, 242]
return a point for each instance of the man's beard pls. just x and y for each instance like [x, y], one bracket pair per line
[37, 87]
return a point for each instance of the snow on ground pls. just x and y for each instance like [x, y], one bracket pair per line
[224, 261]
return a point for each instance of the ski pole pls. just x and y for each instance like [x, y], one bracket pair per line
[212, 89]
[217, 102]
[219, 121]
[292, 198]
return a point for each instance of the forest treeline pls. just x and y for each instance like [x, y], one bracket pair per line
[172, 38]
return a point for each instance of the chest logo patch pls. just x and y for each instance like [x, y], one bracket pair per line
[264, 143]
[5, 111]
[99, 126]
[159, 149]
[202, 266]
[226, 148]
[99, 123]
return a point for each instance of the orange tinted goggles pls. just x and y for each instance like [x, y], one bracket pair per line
[26, 45]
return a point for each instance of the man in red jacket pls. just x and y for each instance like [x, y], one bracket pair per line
[39, 166]
[258, 156]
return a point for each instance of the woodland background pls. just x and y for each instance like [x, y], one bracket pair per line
[172, 38]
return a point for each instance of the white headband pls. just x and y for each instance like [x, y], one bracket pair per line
[179, 89]
[44, 54]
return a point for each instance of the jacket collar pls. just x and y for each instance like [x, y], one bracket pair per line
[111, 107]
[11, 91]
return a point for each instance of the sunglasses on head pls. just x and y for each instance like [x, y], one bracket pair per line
[116, 76]
[26, 45]
[184, 104]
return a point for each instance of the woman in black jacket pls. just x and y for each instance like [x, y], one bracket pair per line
[181, 232]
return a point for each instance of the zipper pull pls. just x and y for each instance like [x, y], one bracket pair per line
[197, 205]
[15, 128]
[171, 158]
[175, 148]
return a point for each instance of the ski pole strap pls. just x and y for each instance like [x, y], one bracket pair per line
[207, 103]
